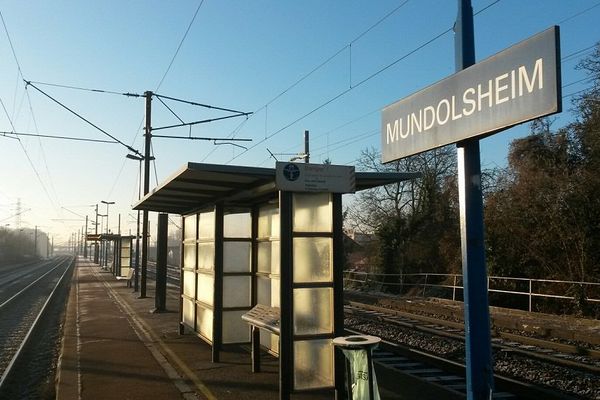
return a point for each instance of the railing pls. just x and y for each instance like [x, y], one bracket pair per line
[438, 285]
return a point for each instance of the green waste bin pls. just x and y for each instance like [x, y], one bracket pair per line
[358, 350]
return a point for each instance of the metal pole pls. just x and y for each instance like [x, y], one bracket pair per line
[160, 296]
[85, 253]
[480, 378]
[35, 244]
[306, 147]
[96, 234]
[147, 141]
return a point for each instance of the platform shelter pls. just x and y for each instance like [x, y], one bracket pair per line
[247, 242]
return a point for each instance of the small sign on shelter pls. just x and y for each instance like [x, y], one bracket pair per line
[302, 177]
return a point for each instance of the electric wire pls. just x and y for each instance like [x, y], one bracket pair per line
[131, 149]
[179, 46]
[360, 83]
[578, 14]
[84, 89]
[20, 73]
[57, 137]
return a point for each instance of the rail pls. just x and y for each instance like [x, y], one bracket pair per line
[421, 283]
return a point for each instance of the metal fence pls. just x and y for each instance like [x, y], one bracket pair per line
[450, 286]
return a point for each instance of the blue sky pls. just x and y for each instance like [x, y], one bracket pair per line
[243, 55]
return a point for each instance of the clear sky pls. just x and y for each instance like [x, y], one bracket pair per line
[241, 55]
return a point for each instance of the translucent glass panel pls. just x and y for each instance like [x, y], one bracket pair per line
[125, 262]
[236, 256]
[235, 330]
[188, 313]
[269, 341]
[206, 288]
[189, 255]
[204, 322]
[206, 256]
[237, 225]
[189, 224]
[206, 225]
[312, 259]
[268, 257]
[313, 311]
[263, 290]
[274, 292]
[236, 291]
[268, 221]
[312, 212]
[189, 283]
[313, 364]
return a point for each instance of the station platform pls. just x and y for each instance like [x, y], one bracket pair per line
[114, 347]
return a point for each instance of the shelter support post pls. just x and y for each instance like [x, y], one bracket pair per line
[160, 297]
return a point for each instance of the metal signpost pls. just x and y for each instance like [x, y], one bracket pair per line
[514, 86]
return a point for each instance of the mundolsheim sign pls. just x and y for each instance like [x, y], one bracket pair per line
[516, 85]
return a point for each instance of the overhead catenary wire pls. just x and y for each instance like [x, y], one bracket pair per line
[28, 83]
[179, 46]
[4, 133]
[360, 83]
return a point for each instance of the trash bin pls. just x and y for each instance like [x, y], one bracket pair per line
[358, 350]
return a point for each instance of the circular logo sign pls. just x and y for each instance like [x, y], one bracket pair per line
[291, 172]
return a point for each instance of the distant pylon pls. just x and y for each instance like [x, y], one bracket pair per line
[18, 214]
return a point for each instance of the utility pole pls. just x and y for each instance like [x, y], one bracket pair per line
[148, 137]
[85, 253]
[306, 147]
[96, 235]
[35, 243]
[480, 374]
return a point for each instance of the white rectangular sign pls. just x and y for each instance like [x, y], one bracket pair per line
[516, 85]
[302, 177]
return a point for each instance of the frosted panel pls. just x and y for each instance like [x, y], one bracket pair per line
[275, 292]
[275, 257]
[189, 255]
[269, 341]
[263, 291]
[124, 264]
[312, 259]
[268, 221]
[236, 256]
[264, 257]
[188, 313]
[206, 256]
[189, 283]
[206, 227]
[206, 284]
[189, 224]
[313, 364]
[312, 212]
[236, 291]
[204, 322]
[237, 225]
[235, 330]
[124, 271]
[313, 311]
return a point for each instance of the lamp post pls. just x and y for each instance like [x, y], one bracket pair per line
[102, 259]
[107, 204]
[136, 274]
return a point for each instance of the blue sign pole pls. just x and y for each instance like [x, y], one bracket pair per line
[480, 377]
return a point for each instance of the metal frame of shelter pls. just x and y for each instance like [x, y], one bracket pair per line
[242, 244]
[121, 253]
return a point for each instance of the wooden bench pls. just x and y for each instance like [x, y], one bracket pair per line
[127, 278]
[261, 317]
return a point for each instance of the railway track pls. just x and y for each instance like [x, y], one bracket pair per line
[25, 297]
[428, 351]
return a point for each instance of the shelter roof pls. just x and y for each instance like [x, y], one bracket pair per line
[196, 186]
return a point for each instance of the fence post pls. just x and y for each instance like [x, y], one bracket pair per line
[454, 289]
[530, 291]
[425, 284]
